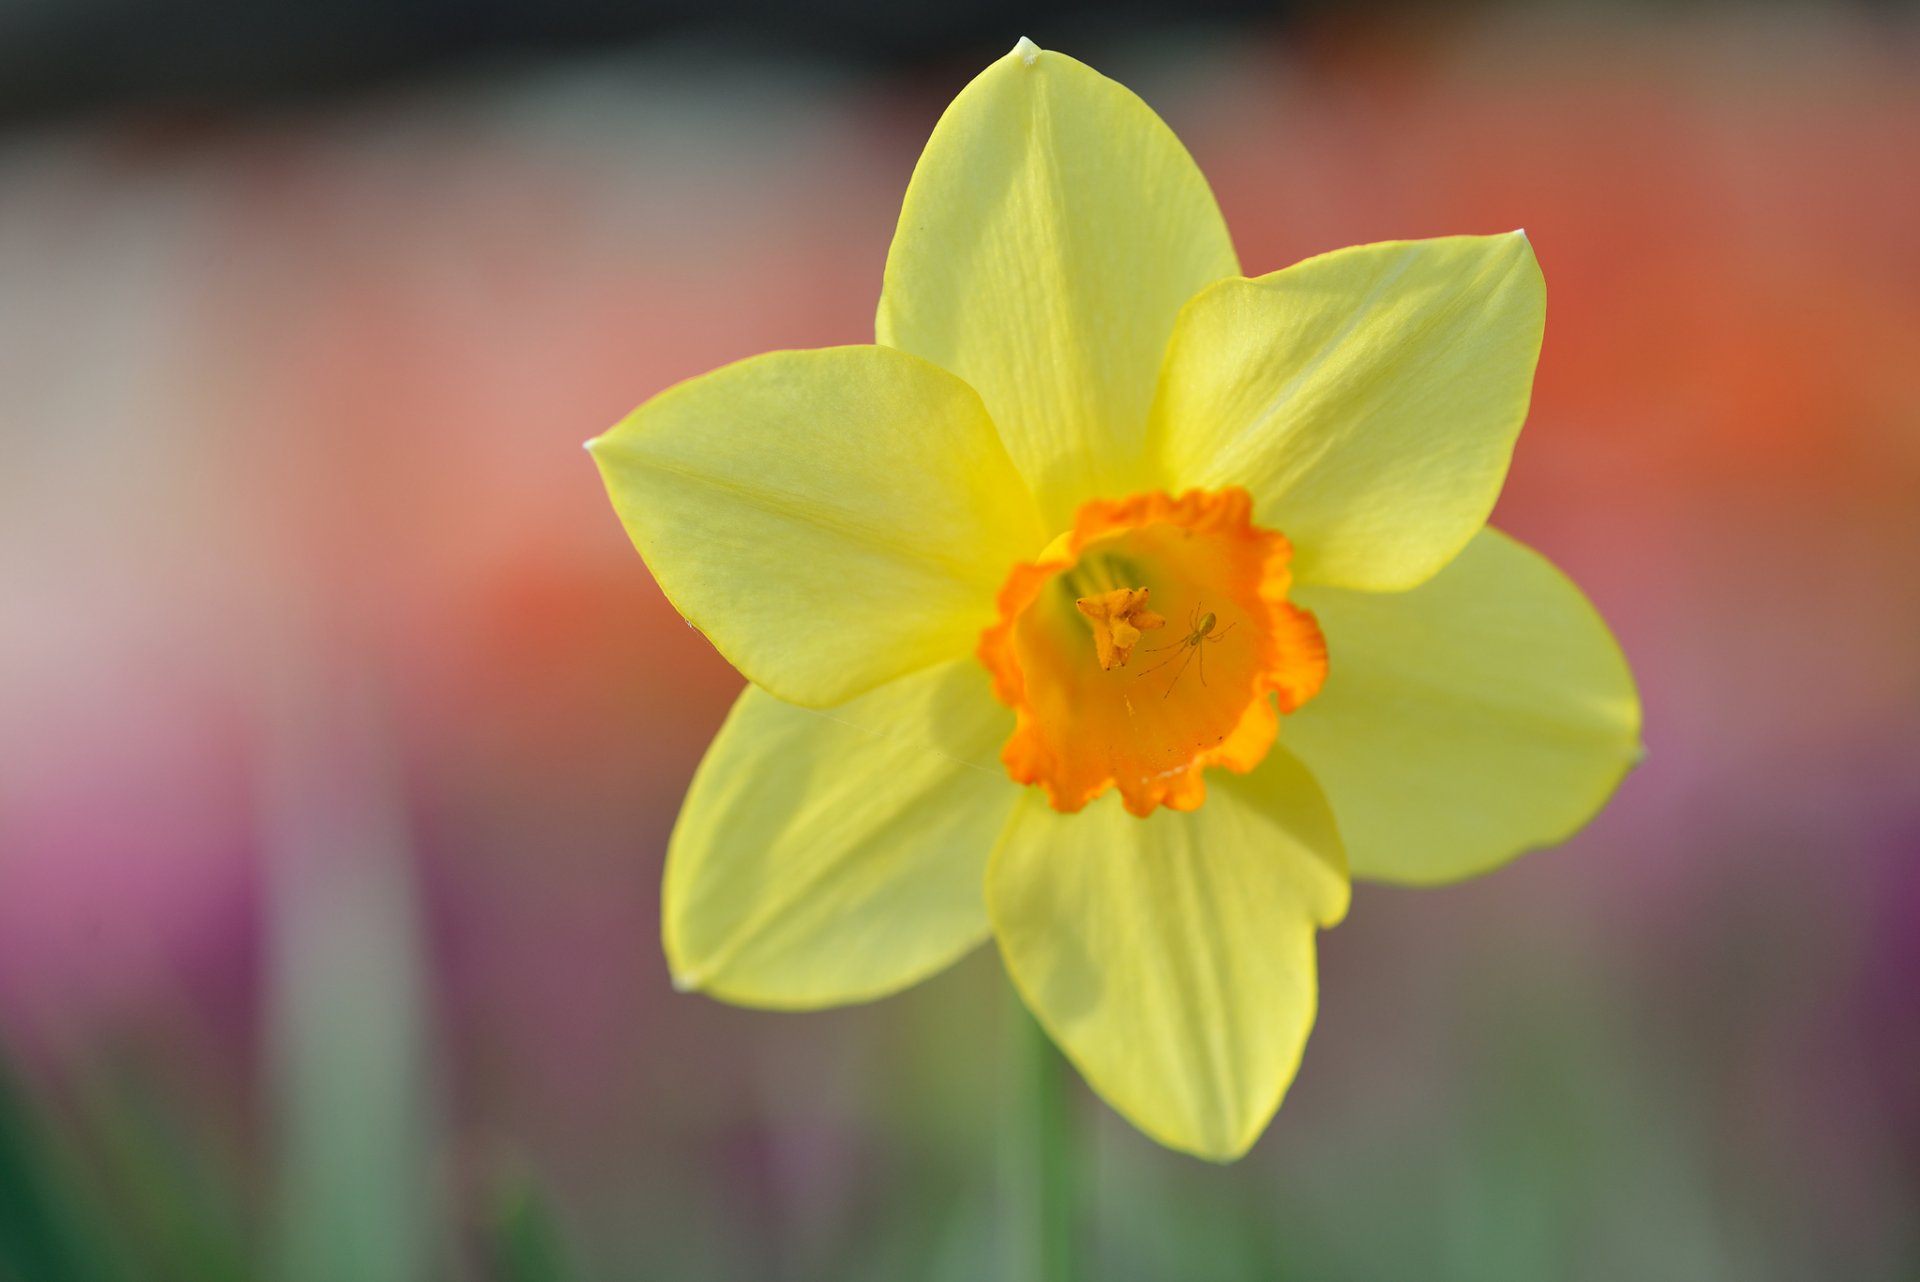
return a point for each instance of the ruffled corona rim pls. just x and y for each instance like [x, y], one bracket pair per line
[1151, 640]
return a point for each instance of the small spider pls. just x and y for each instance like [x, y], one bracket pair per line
[1201, 626]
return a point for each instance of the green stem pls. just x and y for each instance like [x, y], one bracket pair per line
[1044, 1159]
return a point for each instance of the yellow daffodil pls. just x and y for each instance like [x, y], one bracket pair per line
[1096, 513]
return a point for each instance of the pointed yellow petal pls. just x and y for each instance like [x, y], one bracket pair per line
[830, 857]
[1172, 957]
[1369, 398]
[830, 519]
[1484, 713]
[1051, 233]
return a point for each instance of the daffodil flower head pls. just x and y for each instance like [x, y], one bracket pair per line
[1114, 606]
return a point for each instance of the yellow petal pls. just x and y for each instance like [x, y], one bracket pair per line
[1172, 957]
[1053, 229]
[1480, 715]
[1369, 398]
[829, 857]
[830, 519]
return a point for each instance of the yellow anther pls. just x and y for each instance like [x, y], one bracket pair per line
[1118, 618]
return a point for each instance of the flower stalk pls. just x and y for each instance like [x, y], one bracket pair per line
[1044, 1172]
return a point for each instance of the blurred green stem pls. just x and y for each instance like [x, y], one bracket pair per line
[1044, 1157]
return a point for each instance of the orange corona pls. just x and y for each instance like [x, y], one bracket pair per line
[1061, 652]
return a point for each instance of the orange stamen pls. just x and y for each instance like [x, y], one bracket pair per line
[1085, 723]
[1118, 618]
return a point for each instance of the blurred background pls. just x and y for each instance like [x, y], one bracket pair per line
[341, 729]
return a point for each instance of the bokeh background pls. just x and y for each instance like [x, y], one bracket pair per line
[341, 730]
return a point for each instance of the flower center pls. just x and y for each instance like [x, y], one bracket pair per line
[1109, 692]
